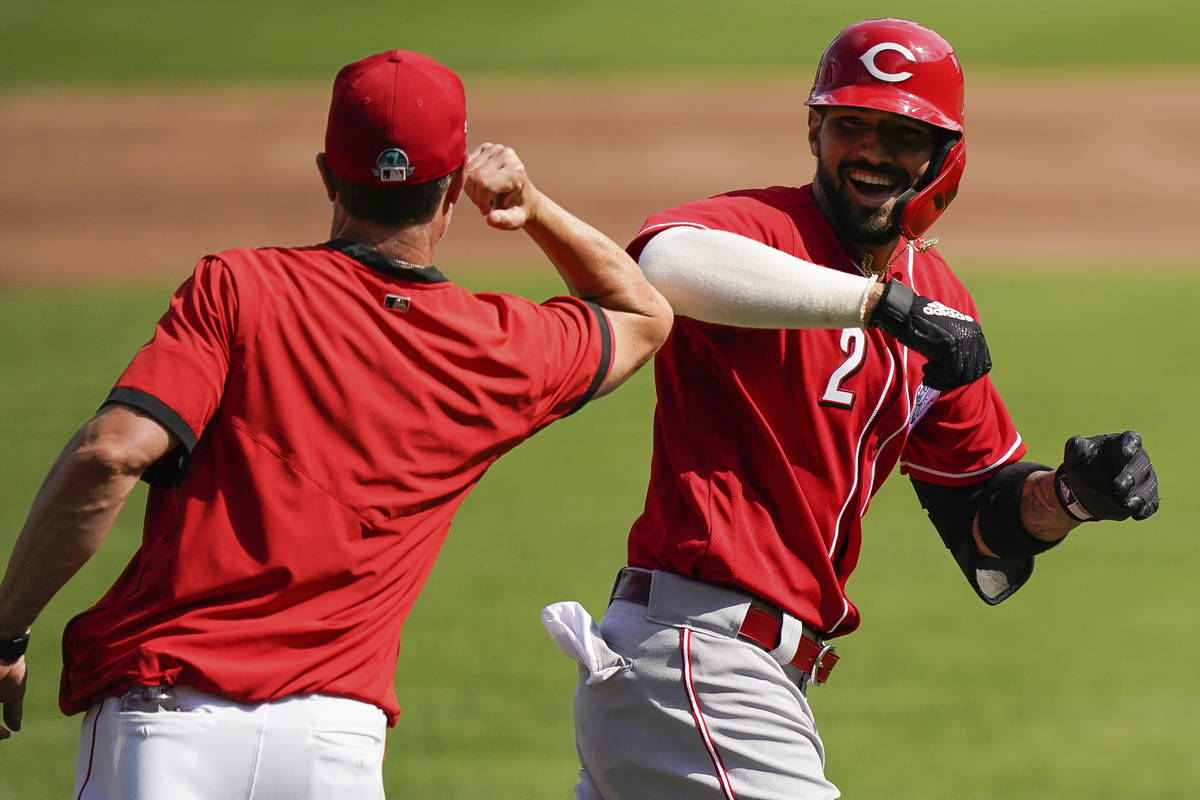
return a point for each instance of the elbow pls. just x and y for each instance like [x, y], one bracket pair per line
[117, 444]
[100, 455]
[661, 318]
[103, 462]
[649, 329]
[637, 336]
[654, 313]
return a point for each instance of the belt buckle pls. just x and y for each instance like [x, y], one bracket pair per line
[814, 674]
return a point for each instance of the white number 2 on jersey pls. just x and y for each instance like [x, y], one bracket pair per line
[854, 345]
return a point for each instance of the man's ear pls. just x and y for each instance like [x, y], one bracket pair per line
[814, 130]
[456, 184]
[330, 192]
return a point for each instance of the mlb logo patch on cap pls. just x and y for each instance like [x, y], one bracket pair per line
[392, 165]
[396, 117]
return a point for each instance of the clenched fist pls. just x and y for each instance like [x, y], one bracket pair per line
[496, 182]
[952, 341]
[1107, 477]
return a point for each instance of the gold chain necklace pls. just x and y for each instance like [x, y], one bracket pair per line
[868, 261]
[401, 262]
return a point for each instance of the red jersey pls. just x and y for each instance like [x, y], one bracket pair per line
[769, 444]
[334, 409]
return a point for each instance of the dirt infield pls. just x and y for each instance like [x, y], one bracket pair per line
[139, 185]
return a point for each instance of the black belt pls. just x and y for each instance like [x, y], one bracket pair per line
[762, 626]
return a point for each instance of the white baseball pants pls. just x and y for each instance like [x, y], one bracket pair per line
[308, 747]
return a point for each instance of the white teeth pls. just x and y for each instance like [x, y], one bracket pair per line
[866, 177]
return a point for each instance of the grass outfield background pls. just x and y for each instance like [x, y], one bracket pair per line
[201, 41]
[1082, 686]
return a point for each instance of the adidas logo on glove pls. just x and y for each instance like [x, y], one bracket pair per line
[936, 309]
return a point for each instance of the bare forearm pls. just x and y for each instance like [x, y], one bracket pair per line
[75, 507]
[69, 519]
[1041, 513]
[593, 266]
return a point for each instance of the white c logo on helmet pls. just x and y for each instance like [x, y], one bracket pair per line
[868, 60]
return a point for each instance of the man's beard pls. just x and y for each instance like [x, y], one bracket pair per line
[854, 223]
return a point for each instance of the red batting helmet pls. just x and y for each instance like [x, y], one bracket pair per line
[899, 66]
[892, 65]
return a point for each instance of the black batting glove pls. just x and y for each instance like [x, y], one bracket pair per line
[1107, 477]
[952, 341]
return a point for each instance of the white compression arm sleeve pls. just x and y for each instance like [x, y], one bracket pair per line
[721, 277]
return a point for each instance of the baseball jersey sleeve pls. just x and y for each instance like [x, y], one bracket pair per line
[178, 377]
[567, 344]
[965, 436]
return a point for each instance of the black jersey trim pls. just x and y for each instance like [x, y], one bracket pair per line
[370, 257]
[168, 470]
[606, 356]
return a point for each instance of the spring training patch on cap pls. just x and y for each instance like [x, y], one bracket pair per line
[392, 166]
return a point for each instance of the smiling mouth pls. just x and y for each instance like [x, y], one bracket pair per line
[871, 186]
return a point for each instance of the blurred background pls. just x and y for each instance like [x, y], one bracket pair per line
[135, 137]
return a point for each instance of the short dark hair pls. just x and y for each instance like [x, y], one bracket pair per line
[396, 206]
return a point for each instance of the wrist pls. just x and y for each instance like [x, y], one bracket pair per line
[1067, 499]
[1009, 522]
[534, 207]
[870, 300]
[12, 648]
[892, 307]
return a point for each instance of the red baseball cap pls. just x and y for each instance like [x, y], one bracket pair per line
[396, 118]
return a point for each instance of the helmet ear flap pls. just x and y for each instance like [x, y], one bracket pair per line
[919, 207]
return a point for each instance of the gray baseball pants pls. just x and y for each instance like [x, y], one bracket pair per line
[671, 705]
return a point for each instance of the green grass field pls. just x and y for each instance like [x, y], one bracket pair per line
[1081, 686]
[1084, 685]
[199, 41]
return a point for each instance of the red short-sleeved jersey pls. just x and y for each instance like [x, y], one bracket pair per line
[769, 444]
[334, 410]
